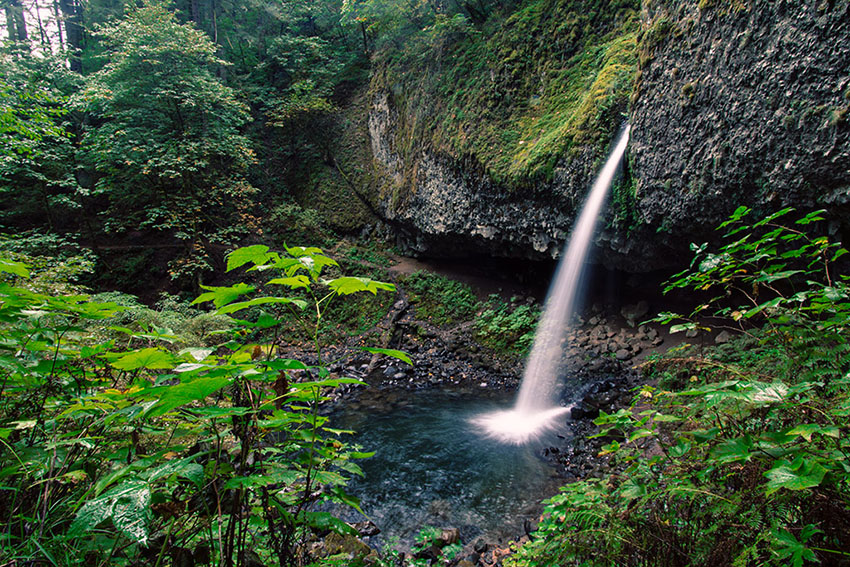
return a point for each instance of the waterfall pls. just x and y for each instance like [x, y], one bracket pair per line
[537, 406]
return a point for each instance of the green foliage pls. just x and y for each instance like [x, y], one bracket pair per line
[519, 92]
[312, 66]
[740, 455]
[165, 135]
[120, 453]
[440, 299]
[625, 203]
[290, 222]
[57, 264]
[30, 105]
[432, 549]
[507, 327]
[37, 185]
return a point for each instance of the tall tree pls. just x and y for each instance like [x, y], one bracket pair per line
[72, 14]
[16, 24]
[165, 137]
[37, 184]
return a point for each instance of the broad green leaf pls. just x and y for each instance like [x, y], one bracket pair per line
[663, 418]
[772, 217]
[640, 434]
[766, 305]
[233, 307]
[397, 354]
[292, 282]
[284, 477]
[762, 393]
[733, 450]
[783, 275]
[213, 412]
[682, 327]
[266, 321]
[223, 295]
[299, 251]
[285, 364]
[347, 499]
[189, 367]
[348, 285]
[197, 353]
[310, 259]
[612, 447]
[185, 467]
[360, 455]
[801, 474]
[151, 358]
[258, 254]
[14, 268]
[631, 489]
[814, 216]
[171, 397]
[680, 449]
[807, 430]
[324, 521]
[739, 213]
[330, 477]
[127, 505]
[328, 383]
[787, 547]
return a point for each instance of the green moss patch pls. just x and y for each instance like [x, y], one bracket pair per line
[520, 92]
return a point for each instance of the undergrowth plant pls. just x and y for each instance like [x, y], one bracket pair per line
[740, 454]
[507, 326]
[152, 456]
[440, 299]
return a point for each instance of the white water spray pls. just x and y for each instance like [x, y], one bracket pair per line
[536, 407]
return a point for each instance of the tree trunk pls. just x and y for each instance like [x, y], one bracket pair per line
[72, 12]
[195, 9]
[42, 33]
[365, 39]
[10, 23]
[16, 24]
[58, 15]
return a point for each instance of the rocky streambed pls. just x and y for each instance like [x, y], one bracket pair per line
[602, 355]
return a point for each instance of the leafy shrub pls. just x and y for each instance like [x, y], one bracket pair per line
[507, 327]
[740, 456]
[441, 299]
[55, 263]
[369, 254]
[173, 320]
[290, 222]
[123, 456]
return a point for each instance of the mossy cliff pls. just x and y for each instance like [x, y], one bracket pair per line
[491, 134]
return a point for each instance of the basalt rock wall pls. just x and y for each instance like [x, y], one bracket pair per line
[441, 206]
[740, 103]
[736, 102]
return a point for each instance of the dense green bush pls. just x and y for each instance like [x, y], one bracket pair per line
[740, 455]
[441, 299]
[129, 453]
[507, 327]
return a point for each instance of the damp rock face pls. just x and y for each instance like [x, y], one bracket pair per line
[435, 202]
[740, 103]
[737, 102]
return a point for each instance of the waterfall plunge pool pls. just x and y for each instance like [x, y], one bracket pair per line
[434, 467]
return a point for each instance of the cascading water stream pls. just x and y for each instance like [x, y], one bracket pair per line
[536, 407]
